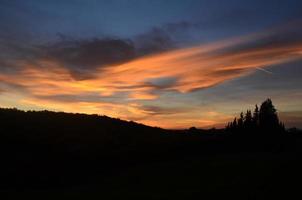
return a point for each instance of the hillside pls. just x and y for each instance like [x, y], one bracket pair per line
[55, 151]
[39, 146]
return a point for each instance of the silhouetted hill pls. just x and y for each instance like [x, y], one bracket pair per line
[39, 147]
[56, 151]
[60, 127]
[74, 131]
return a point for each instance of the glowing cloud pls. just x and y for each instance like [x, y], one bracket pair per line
[145, 78]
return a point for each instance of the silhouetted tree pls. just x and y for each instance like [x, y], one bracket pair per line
[268, 118]
[248, 122]
[282, 126]
[256, 116]
[240, 121]
[265, 119]
[229, 125]
[235, 123]
[193, 129]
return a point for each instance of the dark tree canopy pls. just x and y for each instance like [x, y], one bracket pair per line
[266, 119]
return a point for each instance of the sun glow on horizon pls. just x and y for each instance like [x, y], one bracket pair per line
[123, 90]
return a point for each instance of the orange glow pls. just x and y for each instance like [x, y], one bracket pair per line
[192, 68]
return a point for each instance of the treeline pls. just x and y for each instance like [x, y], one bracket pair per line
[55, 149]
[264, 119]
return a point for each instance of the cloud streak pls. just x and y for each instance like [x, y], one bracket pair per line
[117, 72]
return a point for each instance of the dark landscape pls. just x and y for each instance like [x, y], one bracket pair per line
[151, 99]
[79, 154]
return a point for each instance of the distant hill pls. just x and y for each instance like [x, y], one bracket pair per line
[74, 131]
[39, 147]
[43, 149]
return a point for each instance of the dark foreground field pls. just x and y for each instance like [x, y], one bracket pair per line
[50, 154]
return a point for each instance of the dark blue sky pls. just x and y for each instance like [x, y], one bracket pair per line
[127, 18]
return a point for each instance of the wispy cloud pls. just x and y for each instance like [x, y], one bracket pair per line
[116, 71]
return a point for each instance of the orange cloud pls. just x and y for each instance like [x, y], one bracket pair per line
[195, 69]
[145, 78]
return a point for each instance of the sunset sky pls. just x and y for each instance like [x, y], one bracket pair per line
[173, 64]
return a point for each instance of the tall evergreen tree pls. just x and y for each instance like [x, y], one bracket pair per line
[240, 121]
[263, 119]
[268, 118]
[256, 116]
[248, 122]
[235, 123]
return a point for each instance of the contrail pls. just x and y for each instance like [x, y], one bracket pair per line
[264, 70]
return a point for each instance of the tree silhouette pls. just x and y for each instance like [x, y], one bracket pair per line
[268, 118]
[235, 122]
[256, 116]
[248, 122]
[240, 121]
[263, 120]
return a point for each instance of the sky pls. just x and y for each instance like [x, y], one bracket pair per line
[172, 64]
